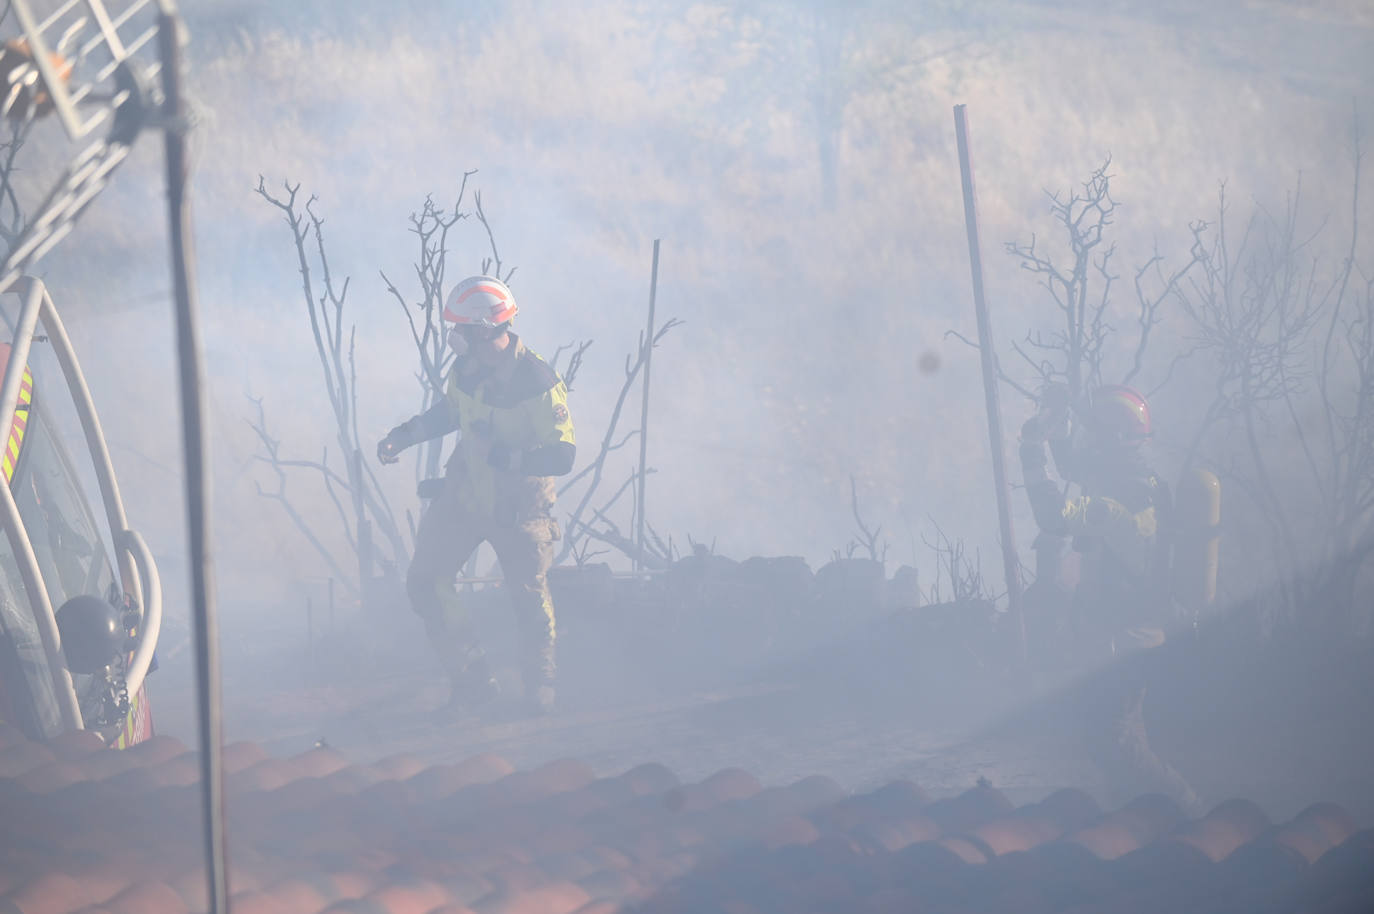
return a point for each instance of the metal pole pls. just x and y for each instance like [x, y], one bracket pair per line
[1010, 565]
[364, 528]
[310, 635]
[197, 464]
[644, 410]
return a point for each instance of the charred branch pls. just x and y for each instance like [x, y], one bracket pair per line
[952, 564]
[491, 266]
[576, 527]
[579, 349]
[868, 536]
[272, 458]
[325, 301]
[1261, 307]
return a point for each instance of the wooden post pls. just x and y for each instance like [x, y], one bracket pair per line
[1010, 565]
[644, 412]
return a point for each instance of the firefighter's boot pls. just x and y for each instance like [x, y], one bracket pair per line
[472, 688]
[537, 677]
[543, 702]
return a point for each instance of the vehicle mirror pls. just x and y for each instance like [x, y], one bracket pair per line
[92, 635]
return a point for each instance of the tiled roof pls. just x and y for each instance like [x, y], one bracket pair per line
[91, 830]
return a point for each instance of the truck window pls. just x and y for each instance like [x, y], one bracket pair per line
[58, 517]
[70, 555]
[25, 676]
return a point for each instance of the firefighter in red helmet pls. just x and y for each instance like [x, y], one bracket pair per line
[515, 434]
[1119, 523]
[1115, 520]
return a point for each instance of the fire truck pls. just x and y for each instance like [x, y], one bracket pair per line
[80, 596]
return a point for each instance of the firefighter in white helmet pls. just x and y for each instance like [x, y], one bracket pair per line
[515, 435]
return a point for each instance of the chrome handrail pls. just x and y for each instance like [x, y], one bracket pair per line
[95, 439]
[151, 625]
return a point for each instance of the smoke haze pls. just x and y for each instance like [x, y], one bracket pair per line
[797, 161]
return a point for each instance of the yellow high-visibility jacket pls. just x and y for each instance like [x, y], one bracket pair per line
[1128, 534]
[517, 411]
[1121, 514]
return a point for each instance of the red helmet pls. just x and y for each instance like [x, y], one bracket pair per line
[1120, 410]
[480, 300]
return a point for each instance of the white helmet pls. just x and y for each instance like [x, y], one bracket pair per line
[483, 301]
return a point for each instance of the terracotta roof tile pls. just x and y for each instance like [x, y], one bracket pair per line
[315, 833]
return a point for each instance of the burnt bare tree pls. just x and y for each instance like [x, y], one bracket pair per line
[956, 569]
[1290, 338]
[424, 314]
[13, 218]
[591, 475]
[271, 455]
[1080, 290]
[868, 540]
[335, 350]
[603, 529]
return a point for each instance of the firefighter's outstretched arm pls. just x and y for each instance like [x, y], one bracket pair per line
[1047, 504]
[1055, 420]
[438, 420]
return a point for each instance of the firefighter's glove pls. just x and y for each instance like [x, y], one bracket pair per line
[397, 440]
[503, 458]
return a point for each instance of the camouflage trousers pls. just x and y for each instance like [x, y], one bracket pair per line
[447, 535]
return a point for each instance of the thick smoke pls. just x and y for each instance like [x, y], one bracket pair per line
[798, 162]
